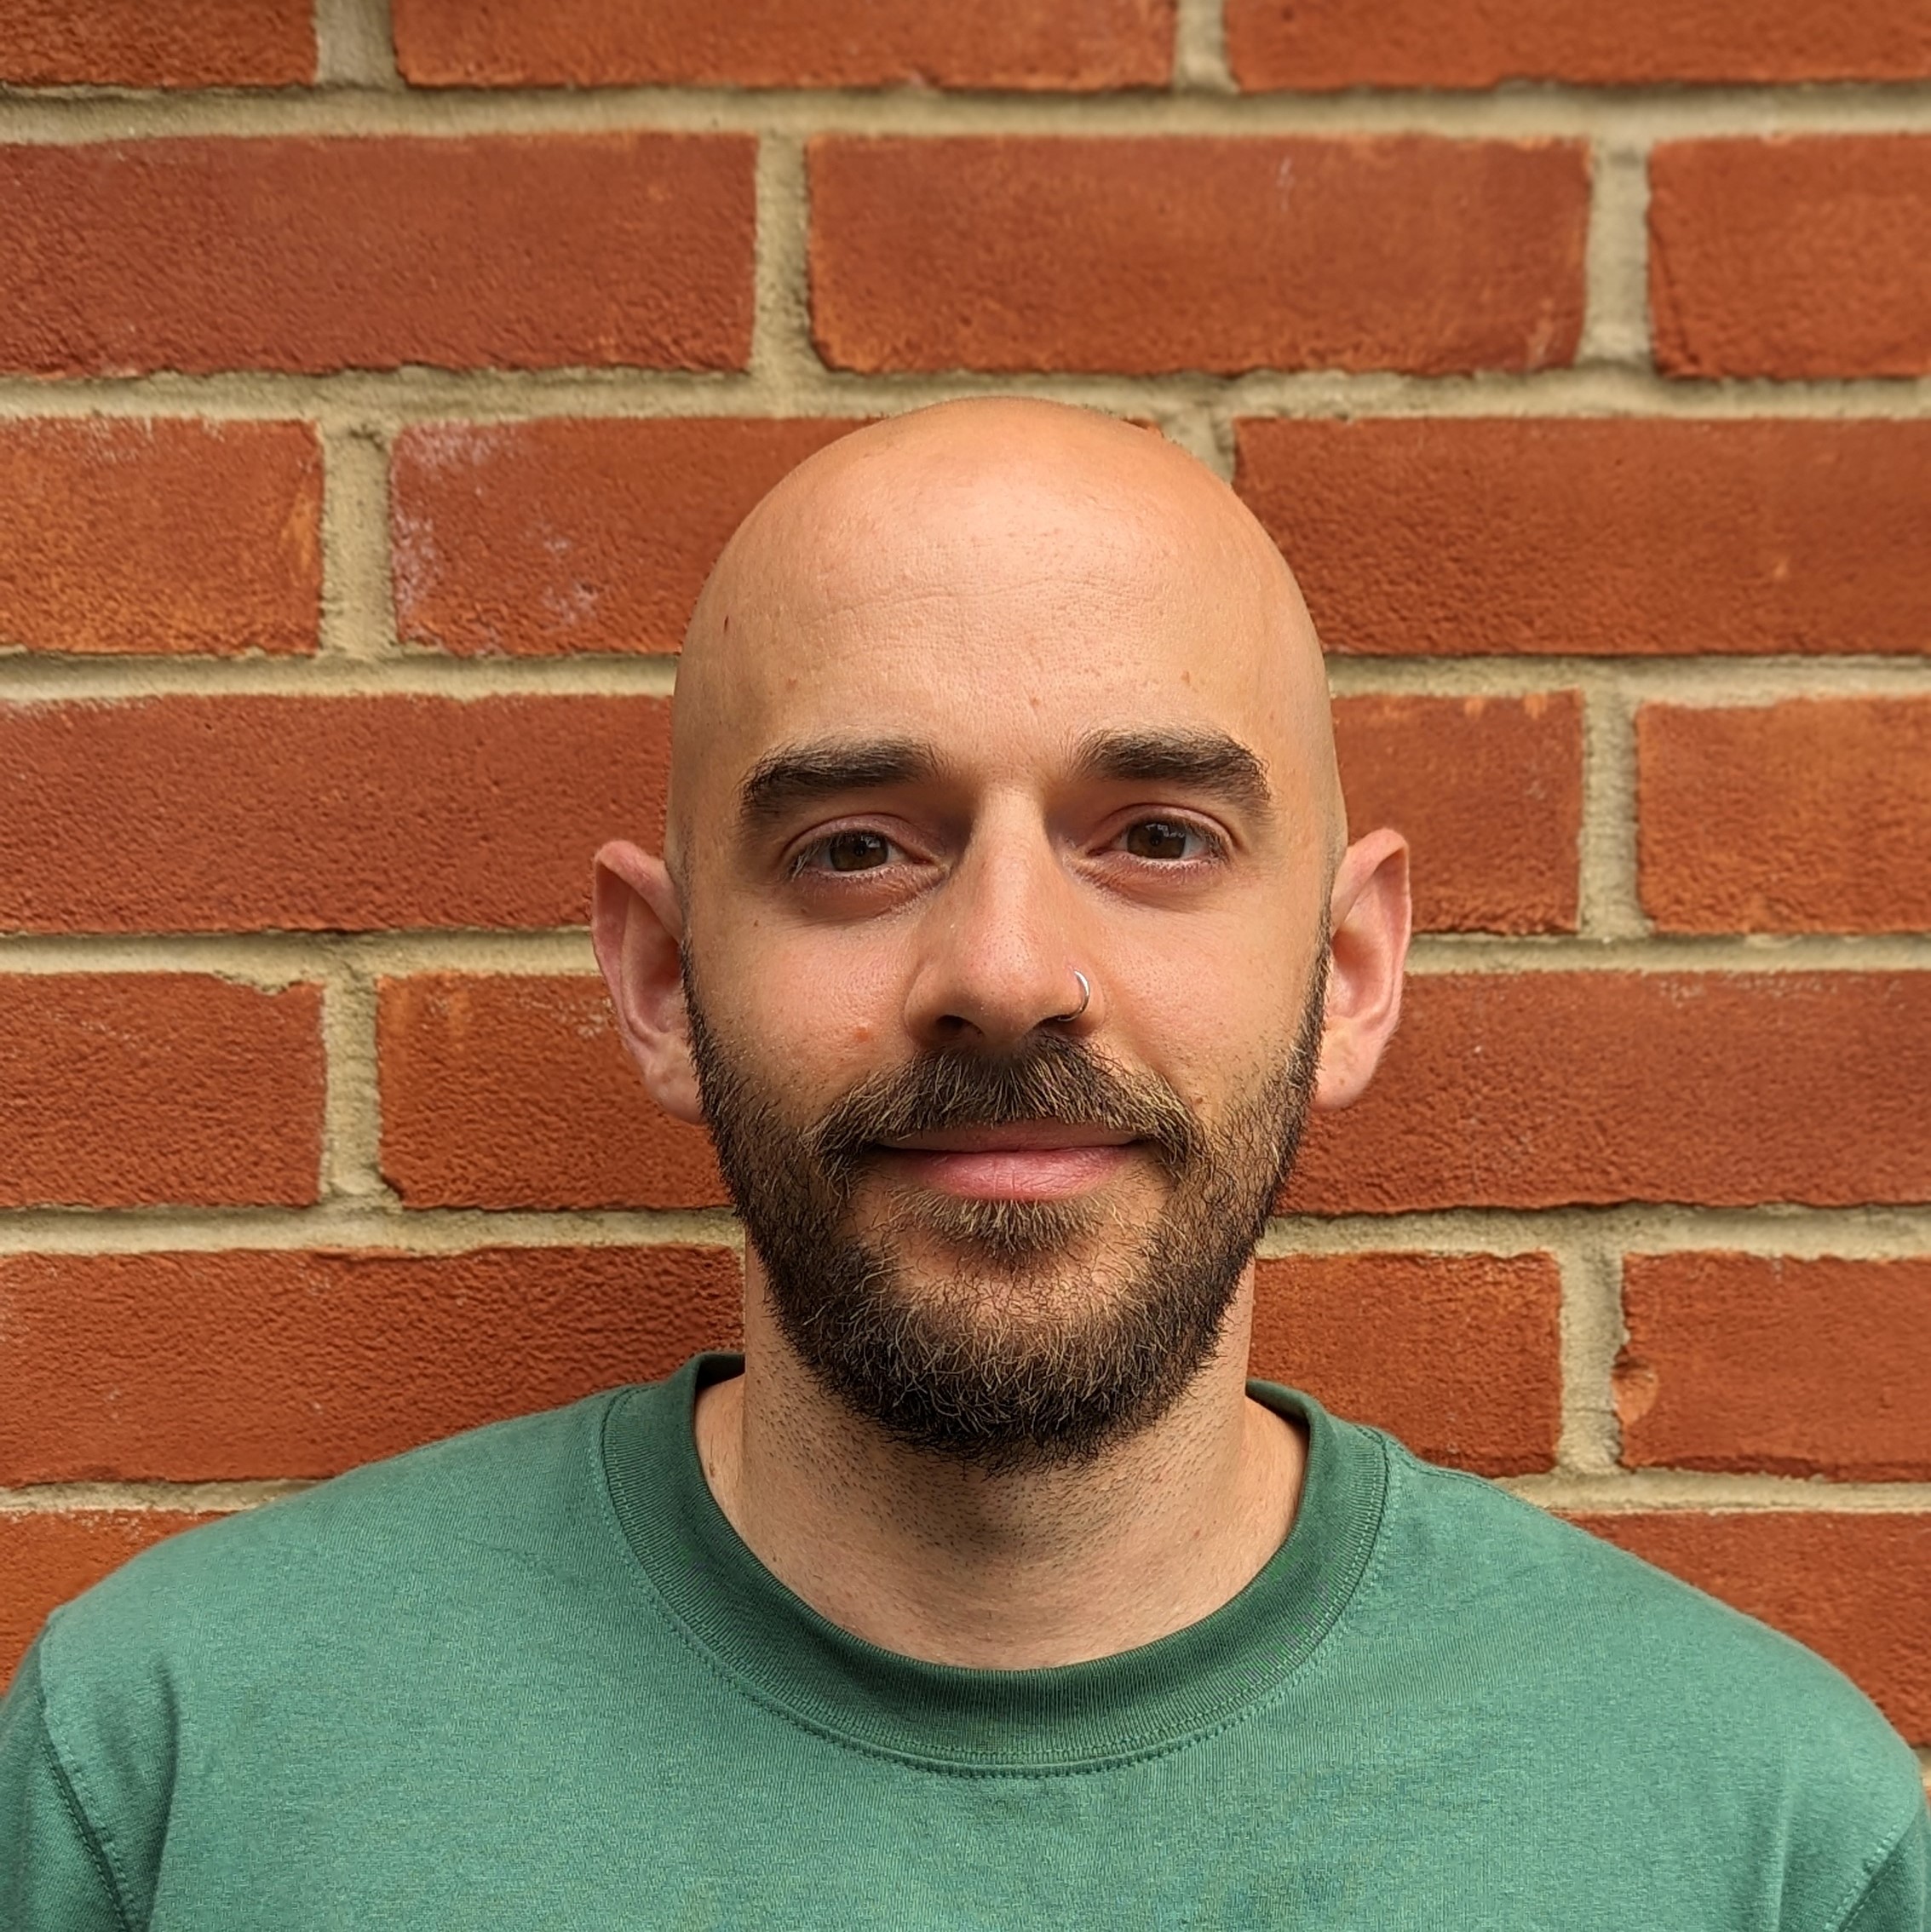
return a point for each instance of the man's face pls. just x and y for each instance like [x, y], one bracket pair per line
[939, 775]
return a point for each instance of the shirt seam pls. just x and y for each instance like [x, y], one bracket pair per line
[90, 1837]
[1844, 1915]
[750, 1692]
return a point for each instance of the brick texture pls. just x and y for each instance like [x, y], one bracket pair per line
[1756, 1362]
[1169, 254]
[198, 1367]
[1812, 815]
[137, 43]
[541, 538]
[512, 251]
[1546, 1089]
[1489, 791]
[1791, 258]
[1503, 535]
[1321, 44]
[517, 1093]
[1851, 1587]
[1455, 1354]
[200, 814]
[137, 1090]
[157, 537]
[46, 1556]
[1028, 44]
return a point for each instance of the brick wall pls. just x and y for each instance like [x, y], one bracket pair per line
[374, 393]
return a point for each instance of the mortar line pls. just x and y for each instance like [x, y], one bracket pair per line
[1637, 1492]
[383, 106]
[272, 960]
[1592, 1336]
[1200, 63]
[351, 1122]
[1616, 323]
[1609, 898]
[784, 361]
[358, 606]
[392, 399]
[355, 45]
[221, 1498]
[1612, 688]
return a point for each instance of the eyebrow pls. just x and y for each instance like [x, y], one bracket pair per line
[800, 775]
[1202, 760]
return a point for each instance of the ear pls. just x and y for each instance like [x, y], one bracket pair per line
[637, 926]
[1368, 916]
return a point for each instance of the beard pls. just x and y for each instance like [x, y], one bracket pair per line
[1026, 1335]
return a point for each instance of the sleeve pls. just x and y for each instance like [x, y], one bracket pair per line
[54, 1876]
[1898, 1899]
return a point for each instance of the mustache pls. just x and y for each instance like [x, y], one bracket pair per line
[1050, 1077]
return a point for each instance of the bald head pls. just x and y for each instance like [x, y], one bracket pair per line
[928, 573]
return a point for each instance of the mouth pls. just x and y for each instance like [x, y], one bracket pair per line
[1023, 1160]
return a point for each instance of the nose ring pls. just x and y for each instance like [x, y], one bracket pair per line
[1085, 999]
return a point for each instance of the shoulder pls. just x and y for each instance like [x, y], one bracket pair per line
[351, 1550]
[1651, 1679]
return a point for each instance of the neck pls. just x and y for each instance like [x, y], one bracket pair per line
[936, 1560]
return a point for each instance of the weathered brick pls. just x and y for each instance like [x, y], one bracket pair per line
[198, 814]
[1148, 255]
[1489, 791]
[1811, 815]
[1545, 1089]
[1458, 1355]
[510, 252]
[573, 534]
[1318, 45]
[201, 1367]
[1791, 257]
[1026, 44]
[1740, 1361]
[162, 536]
[46, 1556]
[137, 43]
[517, 1093]
[1491, 536]
[1851, 1587]
[134, 1090]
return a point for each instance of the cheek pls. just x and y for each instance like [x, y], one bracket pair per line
[816, 1019]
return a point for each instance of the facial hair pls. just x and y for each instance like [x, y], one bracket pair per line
[977, 1360]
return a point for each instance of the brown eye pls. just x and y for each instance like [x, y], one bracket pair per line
[1159, 838]
[856, 851]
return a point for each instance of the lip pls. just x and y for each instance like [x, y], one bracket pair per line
[1032, 1160]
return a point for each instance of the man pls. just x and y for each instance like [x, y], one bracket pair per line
[1005, 933]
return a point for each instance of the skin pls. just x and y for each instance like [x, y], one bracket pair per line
[998, 581]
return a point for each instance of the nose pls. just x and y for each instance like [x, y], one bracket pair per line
[1001, 951]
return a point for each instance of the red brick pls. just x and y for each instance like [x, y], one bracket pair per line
[137, 43]
[1791, 258]
[1851, 1587]
[1794, 1367]
[1318, 45]
[205, 815]
[46, 1557]
[1812, 815]
[1545, 1089]
[209, 1367]
[1148, 255]
[1455, 1354]
[1488, 537]
[1026, 44]
[574, 534]
[162, 536]
[517, 1093]
[1489, 791]
[135, 1089]
[519, 252]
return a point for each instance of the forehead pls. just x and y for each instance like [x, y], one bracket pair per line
[1000, 620]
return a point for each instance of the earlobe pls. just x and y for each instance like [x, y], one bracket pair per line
[636, 926]
[1369, 918]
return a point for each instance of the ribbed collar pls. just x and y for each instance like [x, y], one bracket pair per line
[1065, 1718]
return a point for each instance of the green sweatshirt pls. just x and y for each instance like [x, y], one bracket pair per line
[530, 1678]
